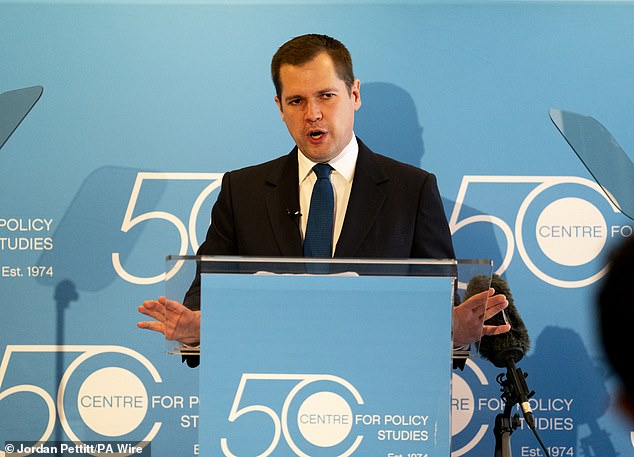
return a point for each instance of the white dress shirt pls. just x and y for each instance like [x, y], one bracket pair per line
[341, 179]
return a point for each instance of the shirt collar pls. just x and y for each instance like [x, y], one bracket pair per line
[344, 163]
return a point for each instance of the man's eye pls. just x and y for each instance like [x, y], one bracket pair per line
[294, 101]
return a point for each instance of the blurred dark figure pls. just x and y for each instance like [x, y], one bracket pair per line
[616, 315]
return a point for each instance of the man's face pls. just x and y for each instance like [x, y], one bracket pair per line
[316, 107]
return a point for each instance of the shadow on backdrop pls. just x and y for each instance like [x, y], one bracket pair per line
[90, 230]
[388, 123]
[65, 293]
[561, 368]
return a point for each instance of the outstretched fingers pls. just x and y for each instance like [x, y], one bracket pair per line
[154, 309]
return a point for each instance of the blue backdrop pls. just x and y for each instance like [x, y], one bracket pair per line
[145, 104]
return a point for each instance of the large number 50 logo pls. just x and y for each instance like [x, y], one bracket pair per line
[545, 190]
[321, 403]
[187, 234]
[119, 423]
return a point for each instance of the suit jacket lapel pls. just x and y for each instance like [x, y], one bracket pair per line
[282, 200]
[366, 200]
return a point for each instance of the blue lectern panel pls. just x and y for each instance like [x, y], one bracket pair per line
[325, 365]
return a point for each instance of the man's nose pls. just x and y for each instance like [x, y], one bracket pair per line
[313, 111]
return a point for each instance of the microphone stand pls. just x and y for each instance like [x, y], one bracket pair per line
[514, 391]
[504, 426]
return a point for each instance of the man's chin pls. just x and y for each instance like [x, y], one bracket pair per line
[319, 153]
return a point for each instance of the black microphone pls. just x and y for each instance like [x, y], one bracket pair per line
[510, 345]
[293, 213]
[506, 349]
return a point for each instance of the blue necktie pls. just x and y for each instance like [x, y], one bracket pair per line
[318, 239]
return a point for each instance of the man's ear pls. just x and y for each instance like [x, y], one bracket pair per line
[279, 106]
[355, 91]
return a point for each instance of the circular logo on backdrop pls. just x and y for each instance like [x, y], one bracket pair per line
[571, 231]
[324, 419]
[112, 401]
[562, 230]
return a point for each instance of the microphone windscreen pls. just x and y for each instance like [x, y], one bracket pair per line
[511, 345]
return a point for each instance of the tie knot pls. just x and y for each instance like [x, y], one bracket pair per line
[322, 170]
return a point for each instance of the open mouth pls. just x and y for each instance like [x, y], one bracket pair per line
[316, 134]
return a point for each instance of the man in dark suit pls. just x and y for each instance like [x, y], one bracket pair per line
[382, 208]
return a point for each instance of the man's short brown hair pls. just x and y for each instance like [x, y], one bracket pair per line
[304, 48]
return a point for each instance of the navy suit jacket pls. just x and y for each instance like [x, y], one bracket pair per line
[395, 211]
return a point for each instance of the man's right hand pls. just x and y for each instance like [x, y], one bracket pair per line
[172, 319]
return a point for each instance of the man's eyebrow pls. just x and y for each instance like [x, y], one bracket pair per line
[291, 97]
[327, 90]
[319, 92]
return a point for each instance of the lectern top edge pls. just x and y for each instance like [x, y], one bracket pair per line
[347, 261]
